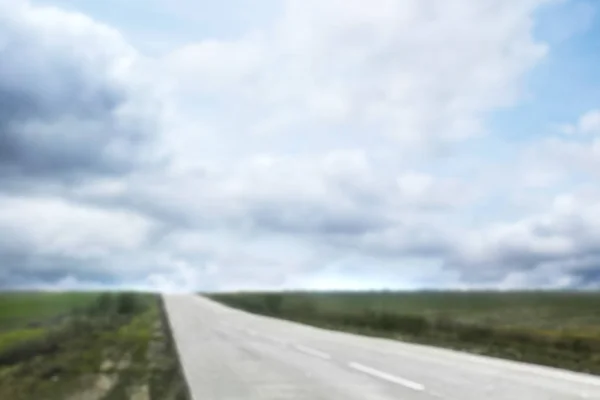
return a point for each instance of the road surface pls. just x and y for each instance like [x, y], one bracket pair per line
[228, 354]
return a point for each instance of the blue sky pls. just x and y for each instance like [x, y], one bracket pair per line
[194, 145]
[565, 84]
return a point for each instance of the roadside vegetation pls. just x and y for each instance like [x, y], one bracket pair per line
[86, 346]
[560, 329]
[19, 308]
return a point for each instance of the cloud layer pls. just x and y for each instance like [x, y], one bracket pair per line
[334, 144]
[69, 99]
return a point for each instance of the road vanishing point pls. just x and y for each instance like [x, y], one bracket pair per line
[228, 354]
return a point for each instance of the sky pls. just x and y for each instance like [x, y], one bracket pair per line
[299, 144]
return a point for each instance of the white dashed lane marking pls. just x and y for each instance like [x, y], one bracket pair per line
[387, 377]
[312, 352]
[354, 365]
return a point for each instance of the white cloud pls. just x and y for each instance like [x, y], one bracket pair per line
[414, 183]
[297, 153]
[421, 72]
[589, 124]
[54, 226]
[559, 157]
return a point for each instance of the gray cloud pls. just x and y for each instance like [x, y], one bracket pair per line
[67, 107]
[304, 219]
[26, 269]
[561, 244]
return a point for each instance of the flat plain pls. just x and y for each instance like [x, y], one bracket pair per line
[554, 328]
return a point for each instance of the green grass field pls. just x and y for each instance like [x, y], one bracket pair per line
[102, 346]
[553, 328]
[574, 311]
[22, 307]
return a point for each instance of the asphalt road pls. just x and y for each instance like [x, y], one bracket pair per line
[228, 354]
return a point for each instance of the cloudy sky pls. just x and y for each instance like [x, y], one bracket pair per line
[242, 144]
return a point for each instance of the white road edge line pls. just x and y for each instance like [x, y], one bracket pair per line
[388, 377]
[312, 352]
[517, 366]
